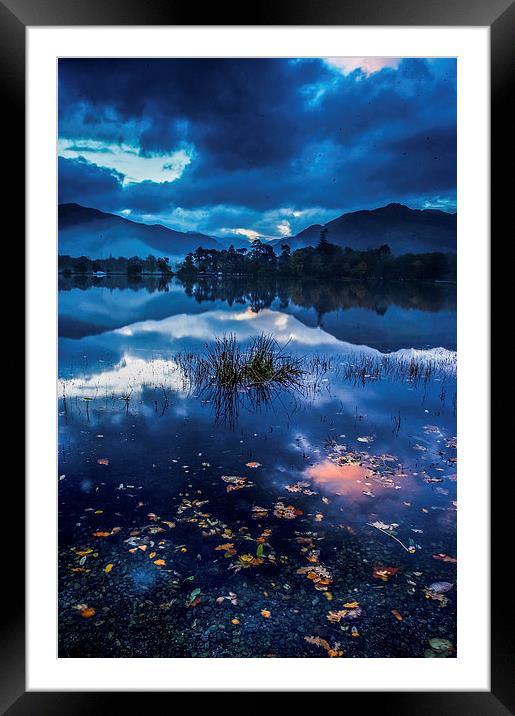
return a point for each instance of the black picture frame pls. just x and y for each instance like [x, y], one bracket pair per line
[499, 16]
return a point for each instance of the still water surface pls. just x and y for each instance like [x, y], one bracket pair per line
[342, 492]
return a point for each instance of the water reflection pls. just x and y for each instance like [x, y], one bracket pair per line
[385, 315]
[340, 479]
[144, 446]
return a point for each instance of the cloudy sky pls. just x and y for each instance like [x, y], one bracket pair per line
[256, 147]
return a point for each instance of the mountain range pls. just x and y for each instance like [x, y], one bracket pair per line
[405, 230]
[97, 234]
[89, 232]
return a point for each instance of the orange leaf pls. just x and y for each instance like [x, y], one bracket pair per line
[159, 562]
[87, 612]
[265, 613]
[397, 614]
[351, 605]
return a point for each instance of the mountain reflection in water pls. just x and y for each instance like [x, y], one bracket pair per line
[175, 481]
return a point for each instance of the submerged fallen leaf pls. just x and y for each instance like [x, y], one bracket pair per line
[265, 613]
[159, 562]
[318, 641]
[286, 512]
[436, 596]
[253, 464]
[87, 612]
[108, 567]
[397, 615]
[383, 573]
[236, 483]
[440, 587]
[336, 616]
[103, 461]
[235, 621]
[445, 558]
[441, 645]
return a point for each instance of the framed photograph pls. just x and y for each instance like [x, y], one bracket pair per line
[258, 329]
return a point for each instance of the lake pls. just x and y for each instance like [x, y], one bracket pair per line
[307, 520]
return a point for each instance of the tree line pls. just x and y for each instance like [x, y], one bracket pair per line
[326, 260]
[133, 267]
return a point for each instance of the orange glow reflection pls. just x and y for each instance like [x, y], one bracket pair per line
[340, 479]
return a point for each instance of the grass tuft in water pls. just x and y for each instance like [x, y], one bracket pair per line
[227, 364]
[230, 375]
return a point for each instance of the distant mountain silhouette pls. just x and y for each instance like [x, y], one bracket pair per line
[405, 230]
[89, 232]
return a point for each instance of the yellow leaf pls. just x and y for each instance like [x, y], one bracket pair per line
[108, 567]
[159, 562]
[152, 555]
[235, 621]
[351, 605]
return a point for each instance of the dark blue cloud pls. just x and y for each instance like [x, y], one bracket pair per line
[263, 135]
[78, 178]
